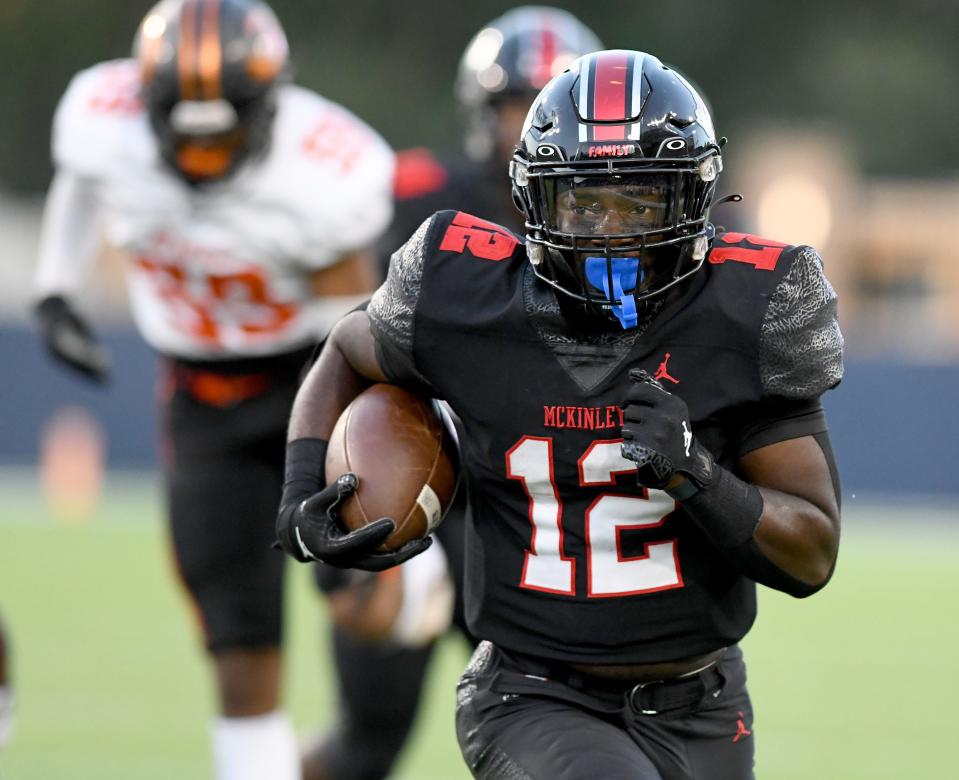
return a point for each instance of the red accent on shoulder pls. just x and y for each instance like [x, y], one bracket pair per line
[337, 139]
[761, 253]
[417, 173]
[117, 90]
[482, 239]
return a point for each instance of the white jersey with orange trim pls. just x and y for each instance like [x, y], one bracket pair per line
[222, 270]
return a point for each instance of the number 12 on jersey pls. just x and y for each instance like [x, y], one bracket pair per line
[609, 572]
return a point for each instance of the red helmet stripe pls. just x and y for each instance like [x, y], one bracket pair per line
[609, 94]
[547, 53]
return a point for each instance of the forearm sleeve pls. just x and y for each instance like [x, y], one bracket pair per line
[729, 511]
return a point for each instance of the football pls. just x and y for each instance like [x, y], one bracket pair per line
[404, 457]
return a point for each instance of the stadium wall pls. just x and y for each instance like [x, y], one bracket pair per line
[895, 425]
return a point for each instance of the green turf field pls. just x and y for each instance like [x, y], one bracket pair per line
[855, 683]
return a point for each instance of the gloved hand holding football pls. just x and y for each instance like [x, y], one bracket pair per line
[315, 532]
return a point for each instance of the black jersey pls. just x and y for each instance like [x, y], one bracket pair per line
[567, 557]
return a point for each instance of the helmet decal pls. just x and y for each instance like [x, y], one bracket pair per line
[611, 86]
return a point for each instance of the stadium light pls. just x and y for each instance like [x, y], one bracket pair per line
[797, 209]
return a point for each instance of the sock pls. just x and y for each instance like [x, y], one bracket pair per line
[262, 747]
[6, 713]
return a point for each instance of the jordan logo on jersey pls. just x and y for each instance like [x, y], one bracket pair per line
[663, 373]
[741, 730]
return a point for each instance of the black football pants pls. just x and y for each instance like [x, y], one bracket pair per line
[514, 727]
[224, 432]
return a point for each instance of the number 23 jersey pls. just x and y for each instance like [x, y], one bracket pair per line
[224, 270]
[567, 557]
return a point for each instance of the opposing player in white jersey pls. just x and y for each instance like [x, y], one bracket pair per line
[245, 204]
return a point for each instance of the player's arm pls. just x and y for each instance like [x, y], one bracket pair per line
[69, 241]
[347, 365]
[777, 518]
[352, 359]
[798, 530]
[308, 527]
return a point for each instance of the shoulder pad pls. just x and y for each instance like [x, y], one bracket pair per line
[393, 305]
[332, 171]
[801, 345]
[418, 173]
[100, 123]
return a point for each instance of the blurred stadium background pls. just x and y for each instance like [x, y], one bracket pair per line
[842, 121]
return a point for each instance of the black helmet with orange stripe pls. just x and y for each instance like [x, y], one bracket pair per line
[210, 69]
[615, 173]
[511, 59]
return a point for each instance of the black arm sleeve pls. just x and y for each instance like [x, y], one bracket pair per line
[729, 510]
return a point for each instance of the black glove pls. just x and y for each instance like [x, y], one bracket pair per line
[69, 339]
[308, 527]
[658, 438]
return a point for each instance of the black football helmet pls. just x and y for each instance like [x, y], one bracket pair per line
[615, 172]
[514, 56]
[210, 69]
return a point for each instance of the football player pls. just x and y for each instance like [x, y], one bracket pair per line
[644, 438]
[6, 688]
[247, 205]
[501, 71]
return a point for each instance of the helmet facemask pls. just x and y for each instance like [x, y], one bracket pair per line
[615, 235]
[208, 140]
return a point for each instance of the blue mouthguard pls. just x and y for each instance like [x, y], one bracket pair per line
[625, 273]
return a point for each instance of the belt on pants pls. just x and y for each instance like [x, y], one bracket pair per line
[650, 698]
[221, 390]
